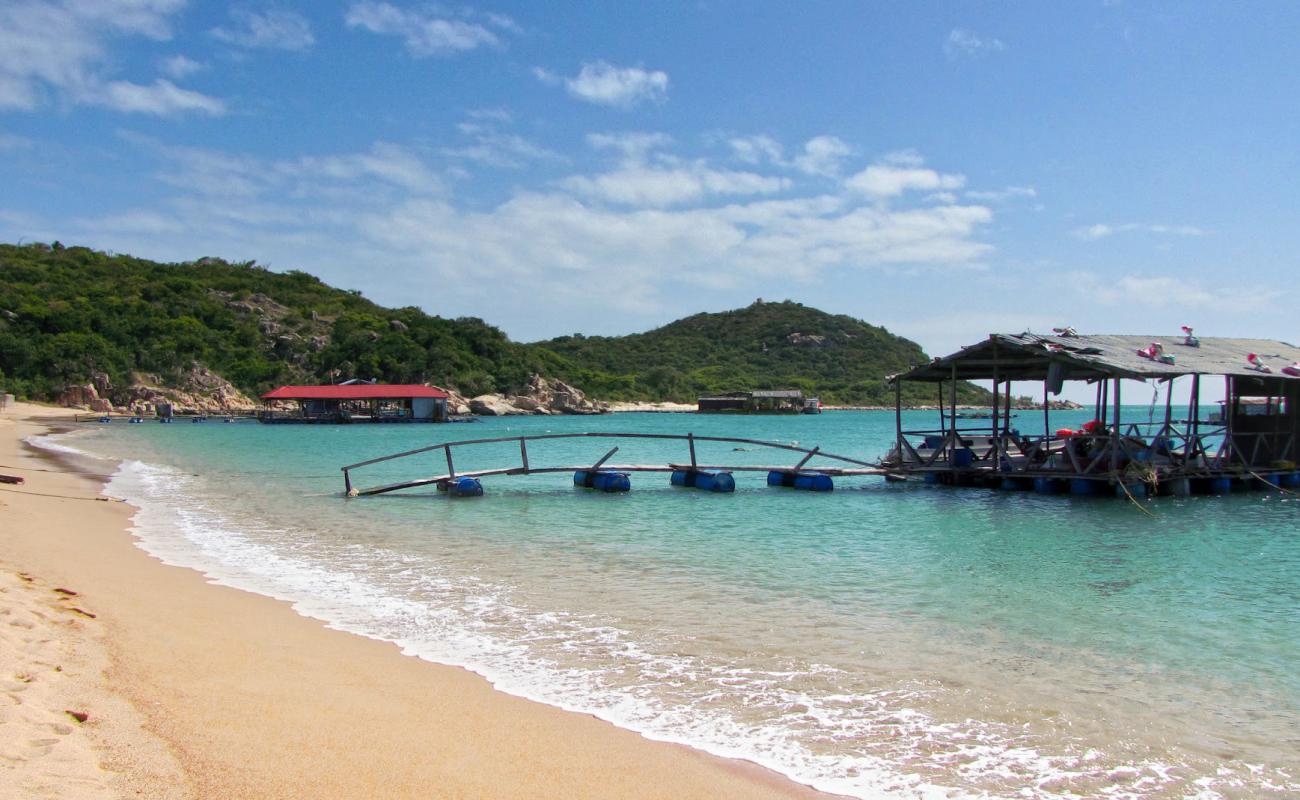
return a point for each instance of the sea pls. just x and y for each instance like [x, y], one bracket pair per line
[884, 640]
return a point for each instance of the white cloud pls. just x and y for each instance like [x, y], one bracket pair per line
[1102, 230]
[659, 224]
[1177, 292]
[999, 195]
[962, 42]
[621, 87]
[901, 172]
[60, 49]
[493, 147]
[10, 142]
[162, 98]
[635, 145]
[180, 67]
[642, 186]
[237, 180]
[273, 29]
[427, 32]
[756, 149]
[822, 156]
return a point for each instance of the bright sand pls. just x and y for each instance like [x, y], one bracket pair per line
[196, 690]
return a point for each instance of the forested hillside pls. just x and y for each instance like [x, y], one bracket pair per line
[66, 313]
[69, 314]
[764, 346]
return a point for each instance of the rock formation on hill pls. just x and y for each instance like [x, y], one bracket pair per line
[544, 396]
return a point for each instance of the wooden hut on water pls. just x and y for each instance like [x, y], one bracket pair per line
[1256, 438]
[357, 402]
[759, 401]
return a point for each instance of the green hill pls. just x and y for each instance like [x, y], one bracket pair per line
[70, 314]
[66, 313]
[765, 346]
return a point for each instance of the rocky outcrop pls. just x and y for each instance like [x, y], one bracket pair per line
[198, 390]
[809, 340]
[84, 396]
[493, 405]
[544, 396]
[553, 396]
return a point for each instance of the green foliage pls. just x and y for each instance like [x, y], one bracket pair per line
[765, 346]
[72, 312]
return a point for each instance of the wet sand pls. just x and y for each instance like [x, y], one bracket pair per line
[192, 690]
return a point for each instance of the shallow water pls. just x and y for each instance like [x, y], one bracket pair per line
[882, 640]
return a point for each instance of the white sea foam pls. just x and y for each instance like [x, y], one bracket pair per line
[869, 745]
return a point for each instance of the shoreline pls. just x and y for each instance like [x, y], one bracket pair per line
[218, 692]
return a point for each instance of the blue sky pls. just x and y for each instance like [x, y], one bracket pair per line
[945, 169]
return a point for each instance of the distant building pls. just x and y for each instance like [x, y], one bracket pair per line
[762, 401]
[356, 402]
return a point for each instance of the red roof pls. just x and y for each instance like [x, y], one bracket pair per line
[355, 391]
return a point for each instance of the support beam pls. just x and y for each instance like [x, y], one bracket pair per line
[1116, 435]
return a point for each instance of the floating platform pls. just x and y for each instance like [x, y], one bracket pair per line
[605, 476]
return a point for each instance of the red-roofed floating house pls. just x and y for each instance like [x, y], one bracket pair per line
[357, 402]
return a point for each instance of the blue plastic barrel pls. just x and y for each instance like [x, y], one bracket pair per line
[466, 487]
[611, 482]
[683, 477]
[1289, 480]
[1085, 487]
[1268, 482]
[963, 457]
[780, 478]
[715, 482]
[933, 442]
[602, 480]
[1049, 485]
[1016, 484]
[813, 482]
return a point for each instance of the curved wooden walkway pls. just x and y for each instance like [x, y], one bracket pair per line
[851, 466]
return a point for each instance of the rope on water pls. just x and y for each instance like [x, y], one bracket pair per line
[1256, 475]
[1133, 499]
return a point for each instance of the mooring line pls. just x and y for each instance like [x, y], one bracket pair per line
[67, 496]
[1256, 475]
[1134, 500]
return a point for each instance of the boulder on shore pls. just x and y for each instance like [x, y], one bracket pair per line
[493, 405]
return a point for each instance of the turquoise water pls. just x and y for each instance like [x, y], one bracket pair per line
[883, 640]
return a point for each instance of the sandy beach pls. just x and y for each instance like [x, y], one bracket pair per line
[124, 677]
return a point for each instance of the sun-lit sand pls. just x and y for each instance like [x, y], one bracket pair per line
[194, 690]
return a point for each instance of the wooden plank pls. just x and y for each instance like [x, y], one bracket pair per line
[483, 473]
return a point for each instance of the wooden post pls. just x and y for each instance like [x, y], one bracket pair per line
[1194, 406]
[1229, 412]
[1116, 436]
[607, 456]
[451, 470]
[347, 482]
[943, 421]
[1169, 409]
[997, 446]
[1047, 423]
[898, 416]
[956, 437]
[690, 442]
[523, 453]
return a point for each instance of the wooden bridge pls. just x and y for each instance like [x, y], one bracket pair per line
[851, 466]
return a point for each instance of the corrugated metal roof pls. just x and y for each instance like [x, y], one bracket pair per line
[777, 394]
[1029, 356]
[358, 391]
